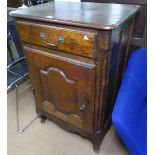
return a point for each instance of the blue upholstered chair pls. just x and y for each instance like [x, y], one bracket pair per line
[130, 111]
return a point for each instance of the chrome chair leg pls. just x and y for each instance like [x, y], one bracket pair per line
[17, 114]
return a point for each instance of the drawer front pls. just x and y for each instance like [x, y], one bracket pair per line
[64, 39]
[64, 89]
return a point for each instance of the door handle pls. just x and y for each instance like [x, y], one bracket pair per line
[84, 104]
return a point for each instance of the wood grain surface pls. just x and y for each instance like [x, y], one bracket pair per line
[90, 15]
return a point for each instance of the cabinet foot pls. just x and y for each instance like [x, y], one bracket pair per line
[43, 119]
[96, 148]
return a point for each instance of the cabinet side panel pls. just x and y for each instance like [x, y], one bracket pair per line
[117, 62]
[110, 58]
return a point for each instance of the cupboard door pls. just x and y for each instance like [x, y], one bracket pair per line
[64, 87]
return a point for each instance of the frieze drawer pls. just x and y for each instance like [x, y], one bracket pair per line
[70, 40]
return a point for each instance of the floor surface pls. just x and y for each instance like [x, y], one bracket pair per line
[48, 138]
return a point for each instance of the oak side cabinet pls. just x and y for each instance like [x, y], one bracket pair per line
[76, 55]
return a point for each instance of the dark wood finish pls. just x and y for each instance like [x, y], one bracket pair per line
[13, 3]
[70, 87]
[88, 15]
[76, 41]
[76, 88]
[139, 38]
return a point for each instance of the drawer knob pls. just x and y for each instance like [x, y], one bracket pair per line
[61, 40]
[43, 37]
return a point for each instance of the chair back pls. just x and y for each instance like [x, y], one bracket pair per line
[13, 44]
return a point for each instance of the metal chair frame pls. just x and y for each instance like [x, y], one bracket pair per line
[15, 85]
[21, 78]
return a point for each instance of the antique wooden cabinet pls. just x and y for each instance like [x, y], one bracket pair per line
[76, 54]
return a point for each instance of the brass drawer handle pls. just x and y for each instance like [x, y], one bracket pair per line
[43, 37]
[84, 104]
[50, 44]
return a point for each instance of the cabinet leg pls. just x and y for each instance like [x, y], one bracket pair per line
[43, 119]
[96, 148]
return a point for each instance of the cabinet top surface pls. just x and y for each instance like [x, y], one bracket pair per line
[84, 14]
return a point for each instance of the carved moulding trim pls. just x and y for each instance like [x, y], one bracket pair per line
[60, 72]
[69, 118]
